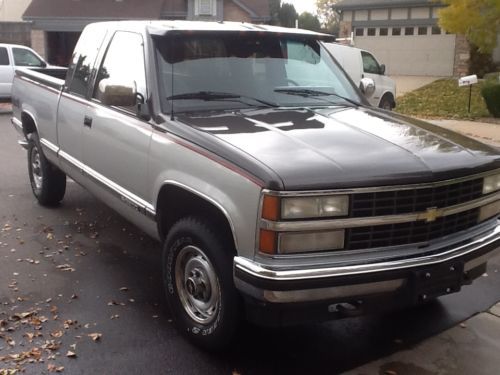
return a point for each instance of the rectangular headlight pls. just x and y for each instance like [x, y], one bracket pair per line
[491, 184]
[293, 243]
[315, 207]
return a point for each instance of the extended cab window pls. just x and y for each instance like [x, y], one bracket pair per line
[24, 57]
[4, 56]
[123, 64]
[370, 65]
[82, 64]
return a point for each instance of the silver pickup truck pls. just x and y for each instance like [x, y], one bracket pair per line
[278, 193]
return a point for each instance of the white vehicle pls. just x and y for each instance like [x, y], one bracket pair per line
[13, 56]
[361, 64]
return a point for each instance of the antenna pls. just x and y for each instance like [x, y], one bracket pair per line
[172, 83]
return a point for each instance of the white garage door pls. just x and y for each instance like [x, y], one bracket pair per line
[422, 55]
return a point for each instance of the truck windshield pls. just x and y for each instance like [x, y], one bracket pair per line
[233, 70]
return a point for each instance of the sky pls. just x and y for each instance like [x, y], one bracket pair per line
[303, 5]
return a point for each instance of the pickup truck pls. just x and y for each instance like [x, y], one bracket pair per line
[278, 193]
[12, 57]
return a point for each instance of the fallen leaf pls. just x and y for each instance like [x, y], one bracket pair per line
[50, 236]
[70, 354]
[115, 316]
[54, 368]
[95, 336]
[57, 334]
[124, 289]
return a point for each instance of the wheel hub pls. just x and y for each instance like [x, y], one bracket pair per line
[36, 168]
[197, 285]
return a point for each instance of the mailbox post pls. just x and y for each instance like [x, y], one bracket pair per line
[468, 81]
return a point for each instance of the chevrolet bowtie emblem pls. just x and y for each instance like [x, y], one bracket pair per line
[431, 214]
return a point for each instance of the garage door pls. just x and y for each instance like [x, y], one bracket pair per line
[422, 55]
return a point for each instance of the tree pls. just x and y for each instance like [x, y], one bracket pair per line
[274, 10]
[328, 17]
[309, 21]
[287, 15]
[478, 20]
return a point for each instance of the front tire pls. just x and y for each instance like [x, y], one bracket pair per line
[48, 182]
[387, 103]
[198, 280]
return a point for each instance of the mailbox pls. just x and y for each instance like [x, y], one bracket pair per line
[467, 81]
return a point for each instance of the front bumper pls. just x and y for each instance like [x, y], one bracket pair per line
[324, 292]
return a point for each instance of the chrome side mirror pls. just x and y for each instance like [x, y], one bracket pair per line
[117, 94]
[367, 86]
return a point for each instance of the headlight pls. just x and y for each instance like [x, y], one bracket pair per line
[491, 184]
[314, 207]
[292, 243]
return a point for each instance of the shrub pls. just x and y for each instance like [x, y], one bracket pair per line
[491, 95]
[480, 63]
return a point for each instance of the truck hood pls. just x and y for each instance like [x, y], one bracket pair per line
[345, 147]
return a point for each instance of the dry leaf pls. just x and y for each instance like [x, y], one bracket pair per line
[70, 354]
[95, 336]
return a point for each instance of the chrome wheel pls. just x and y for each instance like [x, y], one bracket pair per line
[197, 285]
[36, 168]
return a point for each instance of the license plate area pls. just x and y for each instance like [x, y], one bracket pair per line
[432, 282]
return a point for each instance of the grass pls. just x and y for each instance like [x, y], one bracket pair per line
[443, 99]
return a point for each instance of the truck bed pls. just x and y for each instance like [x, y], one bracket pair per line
[53, 78]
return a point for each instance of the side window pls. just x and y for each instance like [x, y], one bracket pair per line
[82, 64]
[24, 57]
[370, 65]
[4, 56]
[124, 63]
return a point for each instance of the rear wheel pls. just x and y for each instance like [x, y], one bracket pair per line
[48, 182]
[198, 281]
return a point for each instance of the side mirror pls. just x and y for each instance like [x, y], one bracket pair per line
[367, 86]
[382, 69]
[117, 94]
[43, 64]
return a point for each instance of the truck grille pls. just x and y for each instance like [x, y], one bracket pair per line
[408, 233]
[415, 200]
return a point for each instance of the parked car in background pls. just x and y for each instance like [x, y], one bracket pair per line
[14, 56]
[361, 64]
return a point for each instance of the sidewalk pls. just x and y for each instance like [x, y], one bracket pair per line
[483, 131]
[472, 347]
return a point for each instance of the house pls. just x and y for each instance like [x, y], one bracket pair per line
[57, 24]
[405, 35]
[12, 27]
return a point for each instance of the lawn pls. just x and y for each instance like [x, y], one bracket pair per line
[443, 99]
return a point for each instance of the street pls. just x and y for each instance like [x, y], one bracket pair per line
[84, 287]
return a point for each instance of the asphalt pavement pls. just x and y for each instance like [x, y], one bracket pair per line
[80, 292]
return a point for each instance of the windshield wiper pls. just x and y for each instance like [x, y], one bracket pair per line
[218, 96]
[306, 93]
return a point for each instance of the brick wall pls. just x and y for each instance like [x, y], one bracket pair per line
[15, 33]
[233, 12]
[38, 42]
[462, 56]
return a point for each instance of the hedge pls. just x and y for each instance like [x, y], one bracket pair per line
[491, 95]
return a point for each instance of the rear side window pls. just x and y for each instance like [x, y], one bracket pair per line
[82, 64]
[4, 56]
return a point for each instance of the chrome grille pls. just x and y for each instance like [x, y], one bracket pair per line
[415, 200]
[408, 233]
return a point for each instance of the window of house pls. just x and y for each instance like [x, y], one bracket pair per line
[409, 30]
[370, 65]
[384, 31]
[82, 64]
[205, 7]
[119, 67]
[422, 30]
[24, 57]
[4, 56]
[436, 30]
[371, 31]
[360, 31]
[396, 31]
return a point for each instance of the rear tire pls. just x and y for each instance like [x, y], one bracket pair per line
[48, 182]
[198, 281]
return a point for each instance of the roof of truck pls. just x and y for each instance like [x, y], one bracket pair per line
[163, 27]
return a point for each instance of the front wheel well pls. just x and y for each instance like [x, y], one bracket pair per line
[389, 96]
[175, 203]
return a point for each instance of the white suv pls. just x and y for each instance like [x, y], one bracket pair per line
[361, 64]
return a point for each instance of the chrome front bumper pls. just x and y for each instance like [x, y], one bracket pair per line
[265, 282]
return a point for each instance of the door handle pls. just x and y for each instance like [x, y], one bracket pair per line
[87, 121]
